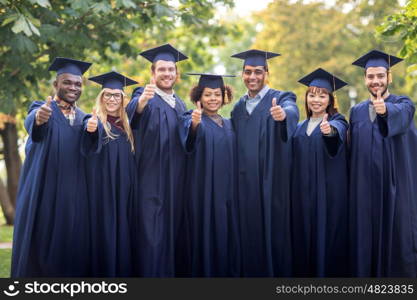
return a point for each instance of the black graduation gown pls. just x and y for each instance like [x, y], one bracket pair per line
[211, 197]
[383, 190]
[51, 234]
[264, 161]
[111, 184]
[160, 163]
[319, 201]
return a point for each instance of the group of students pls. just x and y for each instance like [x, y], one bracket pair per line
[146, 188]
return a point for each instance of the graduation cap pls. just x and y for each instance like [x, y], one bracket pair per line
[211, 80]
[165, 52]
[377, 58]
[113, 80]
[323, 79]
[68, 65]
[255, 57]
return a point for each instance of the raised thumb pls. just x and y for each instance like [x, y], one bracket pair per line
[274, 102]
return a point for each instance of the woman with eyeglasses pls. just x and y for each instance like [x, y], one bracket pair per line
[108, 143]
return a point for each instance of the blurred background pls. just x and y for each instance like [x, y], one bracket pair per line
[308, 34]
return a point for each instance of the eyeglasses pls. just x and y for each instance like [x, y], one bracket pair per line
[116, 96]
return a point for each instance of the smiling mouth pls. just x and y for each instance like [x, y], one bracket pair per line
[316, 106]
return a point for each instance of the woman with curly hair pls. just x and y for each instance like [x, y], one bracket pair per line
[108, 143]
[211, 216]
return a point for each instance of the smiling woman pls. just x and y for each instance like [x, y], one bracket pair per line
[210, 196]
[320, 182]
[107, 141]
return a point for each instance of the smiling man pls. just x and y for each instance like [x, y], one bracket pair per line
[51, 230]
[264, 121]
[383, 185]
[154, 112]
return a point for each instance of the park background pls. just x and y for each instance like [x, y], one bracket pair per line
[309, 34]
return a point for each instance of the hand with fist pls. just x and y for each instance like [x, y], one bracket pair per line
[196, 116]
[44, 112]
[92, 123]
[277, 112]
[379, 104]
[325, 126]
[148, 93]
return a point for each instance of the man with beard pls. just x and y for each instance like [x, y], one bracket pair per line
[154, 112]
[264, 120]
[383, 187]
[51, 228]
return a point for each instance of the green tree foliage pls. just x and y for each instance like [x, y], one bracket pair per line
[402, 27]
[33, 32]
[311, 35]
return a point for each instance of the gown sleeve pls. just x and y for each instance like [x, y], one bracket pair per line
[398, 118]
[189, 139]
[91, 142]
[36, 133]
[134, 117]
[287, 100]
[335, 142]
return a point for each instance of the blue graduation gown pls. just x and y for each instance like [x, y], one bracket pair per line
[160, 162]
[51, 234]
[383, 190]
[111, 184]
[319, 201]
[211, 197]
[264, 161]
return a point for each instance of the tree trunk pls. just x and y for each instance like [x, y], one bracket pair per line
[6, 205]
[12, 159]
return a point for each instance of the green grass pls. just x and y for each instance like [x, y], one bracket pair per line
[6, 233]
[5, 260]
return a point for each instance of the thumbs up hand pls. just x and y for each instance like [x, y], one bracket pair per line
[379, 104]
[196, 116]
[148, 92]
[44, 112]
[325, 126]
[92, 123]
[277, 112]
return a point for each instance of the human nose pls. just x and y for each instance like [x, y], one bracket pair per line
[73, 87]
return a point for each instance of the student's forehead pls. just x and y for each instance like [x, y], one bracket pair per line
[375, 70]
[109, 90]
[211, 90]
[69, 77]
[248, 67]
[164, 64]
